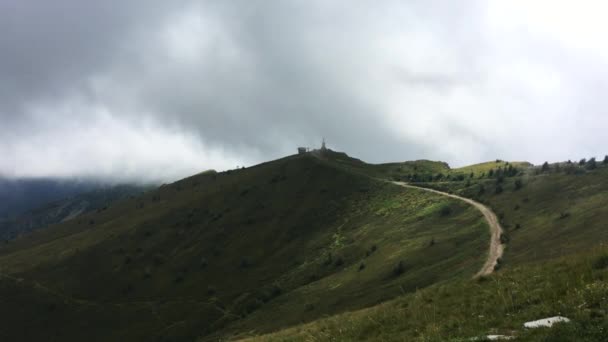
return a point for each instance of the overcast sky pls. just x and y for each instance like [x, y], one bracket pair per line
[158, 90]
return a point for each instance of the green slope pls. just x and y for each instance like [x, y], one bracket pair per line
[555, 263]
[546, 214]
[465, 310]
[222, 254]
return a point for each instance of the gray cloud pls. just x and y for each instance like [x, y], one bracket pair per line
[153, 90]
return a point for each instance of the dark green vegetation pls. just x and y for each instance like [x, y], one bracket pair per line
[221, 254]
[556, 263]
[283, 245]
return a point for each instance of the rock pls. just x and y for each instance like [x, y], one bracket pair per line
[492, 338]
[546, 322]
[499, 337]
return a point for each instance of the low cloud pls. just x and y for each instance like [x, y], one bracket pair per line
[150, 90]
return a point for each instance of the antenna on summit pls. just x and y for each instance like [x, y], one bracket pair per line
[323, 148]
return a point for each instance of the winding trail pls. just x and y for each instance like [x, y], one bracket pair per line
[496, 248]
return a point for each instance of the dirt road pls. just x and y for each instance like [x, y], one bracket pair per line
[496, 248]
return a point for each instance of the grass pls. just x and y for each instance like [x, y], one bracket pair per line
[484, 168]
[265, 234]
[498, 304]
[551, 214]
[315, 248]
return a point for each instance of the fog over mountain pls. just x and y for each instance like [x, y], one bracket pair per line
[156, 90]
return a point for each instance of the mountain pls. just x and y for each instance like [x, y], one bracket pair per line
[61, 210]
[18, 196]
[214, 254]
[555, 263]
[320, 246]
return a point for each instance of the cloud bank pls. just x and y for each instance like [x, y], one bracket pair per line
[155, 91]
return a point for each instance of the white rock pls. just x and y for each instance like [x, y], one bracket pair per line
[546, 322]
[499, 337]
[492, 338]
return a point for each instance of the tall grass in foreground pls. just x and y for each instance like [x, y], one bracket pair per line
[575, 287]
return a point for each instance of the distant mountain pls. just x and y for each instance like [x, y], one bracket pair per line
[30, 204]
[20, 195]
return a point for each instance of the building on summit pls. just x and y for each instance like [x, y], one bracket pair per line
[304, 150]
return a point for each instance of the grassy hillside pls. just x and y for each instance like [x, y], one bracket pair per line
[465, 310]
[555, 264]
[393, 171]
[223, 254]
[484, 168]
[546, 214]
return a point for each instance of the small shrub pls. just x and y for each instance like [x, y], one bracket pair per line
[399, 269]
[148, 272]
[564, 215]
[600, 262]
[127, 259]
[545, 167]
[328, 260]
[432, 242]
[179, 278]
[605, 162]
[517, 226]
[159, 259]
[591, 164]
[361, 266]
[498, 189]
[339, 262]
[445, 210]
[518, 184]
[269, 293]
[203, 263]
[498, 265]
[252, 305]
[309, 307]
[483, 278]
[211, 290]
[245, 263]
[128, 289]
[504, 238]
